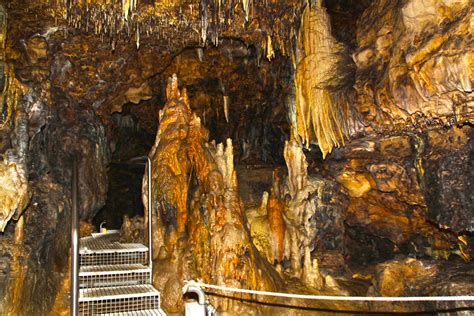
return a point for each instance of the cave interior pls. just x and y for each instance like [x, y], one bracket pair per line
[318, 147]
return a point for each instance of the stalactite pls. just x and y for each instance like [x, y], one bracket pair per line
[138, 37]
[269, 48]
[246, 7]
[321, 114]
[226, 107]
[204, 23]
[19, 231]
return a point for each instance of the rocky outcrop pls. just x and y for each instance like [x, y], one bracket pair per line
[414, 64]
[390, 183]
[413, 277]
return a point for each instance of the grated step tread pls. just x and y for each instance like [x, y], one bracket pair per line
[110, 269]
[118, 292]
[147, 312]
[114, 247]
[107, 243]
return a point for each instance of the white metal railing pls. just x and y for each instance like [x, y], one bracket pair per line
[149, 204]
[197, 287]
[74, 242]
[150, 241]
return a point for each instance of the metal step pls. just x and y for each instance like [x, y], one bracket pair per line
[105, 249]
[107, 300]
[98, 245]
[148, 312]
[113, 275]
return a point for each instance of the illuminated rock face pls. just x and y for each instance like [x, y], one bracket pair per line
[414, 64]
[13, 192]
[14, 195]
[395, 192]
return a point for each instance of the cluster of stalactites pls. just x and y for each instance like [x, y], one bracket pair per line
[195, 22]
[127, 6]
[218, 15]
[320, 113]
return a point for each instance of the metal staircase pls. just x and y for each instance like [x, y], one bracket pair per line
[114, 278]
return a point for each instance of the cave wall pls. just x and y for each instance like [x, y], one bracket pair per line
[43, 129]
[405, 165]
[414, 64]
[414, 98]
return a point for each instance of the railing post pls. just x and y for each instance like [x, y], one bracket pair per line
[150, 241]
[74, 244]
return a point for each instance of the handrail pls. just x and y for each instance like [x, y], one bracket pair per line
[150, 242]
[74, 243]
[138, 160]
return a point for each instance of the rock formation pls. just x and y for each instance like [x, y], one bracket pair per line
[200, 225]
[319, 147]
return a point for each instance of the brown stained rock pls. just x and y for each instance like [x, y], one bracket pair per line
[394, 276]
[410, 276]
[397, 199]
[447, 166]
[398, 146]
[36, 49]
[357, 184]
[14, 194]
[421, 54]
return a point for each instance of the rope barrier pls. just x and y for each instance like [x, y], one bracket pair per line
[336, 298]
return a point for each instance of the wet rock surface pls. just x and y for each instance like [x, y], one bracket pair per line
[388, 182]
[414, 277]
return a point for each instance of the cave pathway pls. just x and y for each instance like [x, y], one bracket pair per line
[114, 277]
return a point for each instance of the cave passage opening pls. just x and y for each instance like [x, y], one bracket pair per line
[237, 95]
[130, 140]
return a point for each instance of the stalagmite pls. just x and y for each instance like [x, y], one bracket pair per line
[297, 167]
[311, 272]
[275, 211]
[222, 221]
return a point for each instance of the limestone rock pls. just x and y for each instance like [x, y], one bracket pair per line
[421, 53]
[14, 194]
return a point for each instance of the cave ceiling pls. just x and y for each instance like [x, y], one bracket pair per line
[109, 53]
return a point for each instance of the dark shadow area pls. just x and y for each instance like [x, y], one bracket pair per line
[130, 140]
